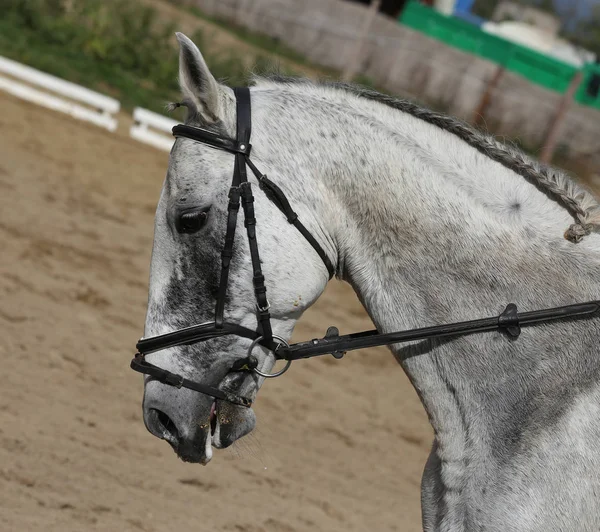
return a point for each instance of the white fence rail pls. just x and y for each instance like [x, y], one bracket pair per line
[152, 128]
[49, 91]
[100, 108]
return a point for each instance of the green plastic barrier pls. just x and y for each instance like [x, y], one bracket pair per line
[538, 68]
[583, 94]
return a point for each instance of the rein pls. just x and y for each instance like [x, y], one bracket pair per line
[509, 322]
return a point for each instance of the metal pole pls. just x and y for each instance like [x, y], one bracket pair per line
[486, 99]
[561, 112]
[353, 63]
[240, 12]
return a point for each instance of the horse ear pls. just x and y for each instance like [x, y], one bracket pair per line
[197, 83]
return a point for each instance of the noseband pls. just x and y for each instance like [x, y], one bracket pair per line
[508, 322]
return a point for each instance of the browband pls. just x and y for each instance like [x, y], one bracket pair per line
[211, 139]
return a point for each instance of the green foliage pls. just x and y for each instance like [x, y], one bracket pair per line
[269, 44]
[119, 47]
[265, 42]
[114, 46]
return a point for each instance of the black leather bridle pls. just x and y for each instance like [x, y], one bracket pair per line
[241, 190]
[508, 322]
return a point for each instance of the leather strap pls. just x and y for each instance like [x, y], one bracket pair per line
[337, 345]
[240, 147]
[141, 365]
[509, 322]
[276, 195]
[195, 334]
[244, 129]
[227, 253]
[212, 139]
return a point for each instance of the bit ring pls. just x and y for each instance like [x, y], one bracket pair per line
[270, 375]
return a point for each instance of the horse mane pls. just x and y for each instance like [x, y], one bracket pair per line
[556, 184]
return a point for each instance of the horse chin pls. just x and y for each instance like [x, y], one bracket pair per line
[196, 452]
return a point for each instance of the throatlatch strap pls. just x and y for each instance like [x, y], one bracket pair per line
[276, 195]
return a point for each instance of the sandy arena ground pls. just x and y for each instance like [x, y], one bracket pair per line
[340, 445]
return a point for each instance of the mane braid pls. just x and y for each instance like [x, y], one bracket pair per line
[558, 186]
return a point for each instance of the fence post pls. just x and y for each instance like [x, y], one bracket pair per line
[558, 119]
[486, 99]
[240, 13]
[353, 64]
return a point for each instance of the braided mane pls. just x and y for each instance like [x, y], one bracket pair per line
[556, 184]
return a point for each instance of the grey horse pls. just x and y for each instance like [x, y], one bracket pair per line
[431, 222]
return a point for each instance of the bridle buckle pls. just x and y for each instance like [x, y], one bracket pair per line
[266, 308]
[173, 380]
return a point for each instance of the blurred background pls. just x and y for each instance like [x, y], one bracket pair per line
[527, 70]
[340, 445]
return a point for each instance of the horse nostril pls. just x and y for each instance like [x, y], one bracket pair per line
[161, 425]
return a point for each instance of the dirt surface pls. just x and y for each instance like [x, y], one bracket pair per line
[340, 445]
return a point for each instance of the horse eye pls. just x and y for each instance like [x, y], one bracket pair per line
[191, 222]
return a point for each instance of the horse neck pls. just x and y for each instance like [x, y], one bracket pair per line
[414, 213]
[428, 231]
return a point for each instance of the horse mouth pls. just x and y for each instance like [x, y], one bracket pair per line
[213, 423]
[226, 424]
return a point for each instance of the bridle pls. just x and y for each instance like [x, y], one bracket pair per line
[509, 321]
[241, 190]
